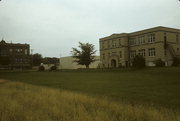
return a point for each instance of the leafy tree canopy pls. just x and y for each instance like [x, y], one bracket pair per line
[85, 55]
[37, 59]
[176, 61]
[4, 60]
[138, 61]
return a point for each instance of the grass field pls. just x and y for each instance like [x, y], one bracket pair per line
[23, 102]
[152, 88]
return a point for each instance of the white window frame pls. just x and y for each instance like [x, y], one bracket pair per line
[132, 53]
[152, 52]
[104, 56]
[141, 40]
[10, 50]
[113, 43]
[109, 44]
[120, 54]
[102, 44]
[133, 41]
[120, 43]
[151, 38]
[142, 52]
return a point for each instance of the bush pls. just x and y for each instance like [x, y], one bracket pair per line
[53, 68]
[138, 61]
[176, 61]
[159, 63]
[41, 68]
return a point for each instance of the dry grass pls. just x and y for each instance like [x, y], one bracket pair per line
[3, 80]
[23, 102]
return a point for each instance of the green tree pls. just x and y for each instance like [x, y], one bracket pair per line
[138, 61]
[37, 59]
[176, 61]
[84, 55]
[4, 60]
[159, 63]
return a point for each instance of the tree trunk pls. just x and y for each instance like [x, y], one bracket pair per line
[87, 66]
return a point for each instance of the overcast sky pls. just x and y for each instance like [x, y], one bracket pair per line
[53, 27]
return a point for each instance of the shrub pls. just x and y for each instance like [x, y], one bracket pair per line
[159, 63]
[53, 68]
[138, 61]
[41, 68]
[176, 61]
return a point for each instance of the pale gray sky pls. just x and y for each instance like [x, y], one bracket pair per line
[53, 27]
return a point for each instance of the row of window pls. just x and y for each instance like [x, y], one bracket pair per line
[151, 38]
[17, 60]
[177, 38]
[133, 53]
[133, 41]
[19, 51]
[115, 44]
[113, 54]
[142, 52]
[151, 52]
[141, 40]
[3, 52]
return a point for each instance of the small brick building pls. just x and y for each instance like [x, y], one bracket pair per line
[14, 56]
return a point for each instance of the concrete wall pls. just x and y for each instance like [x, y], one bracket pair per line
[67, 63]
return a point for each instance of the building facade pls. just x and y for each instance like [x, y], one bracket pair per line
[68, 63]
[14, 55]
[155, 43]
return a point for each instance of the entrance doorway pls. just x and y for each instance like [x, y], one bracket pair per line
[113, 63]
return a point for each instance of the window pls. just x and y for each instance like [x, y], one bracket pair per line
[120, 54]
[26, 51]
[103, 56]
[3, 52]
[142, 52]
[10, 50]
[16, 60]
[141, 40]
[133, 53]
[152, 52]
[108, 44]
[133, 41]
[114, 53]
[151, 38]
[114, 44]
[21, 60]
[120, 42]
[109, 54]
[177, 38]
[18, 50]
[178, 52]
[165, 43]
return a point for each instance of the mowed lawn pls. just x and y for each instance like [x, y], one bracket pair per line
[159, 87]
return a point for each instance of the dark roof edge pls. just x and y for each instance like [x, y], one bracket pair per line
[160, 27]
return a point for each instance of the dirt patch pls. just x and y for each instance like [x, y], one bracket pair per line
[3, 80]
